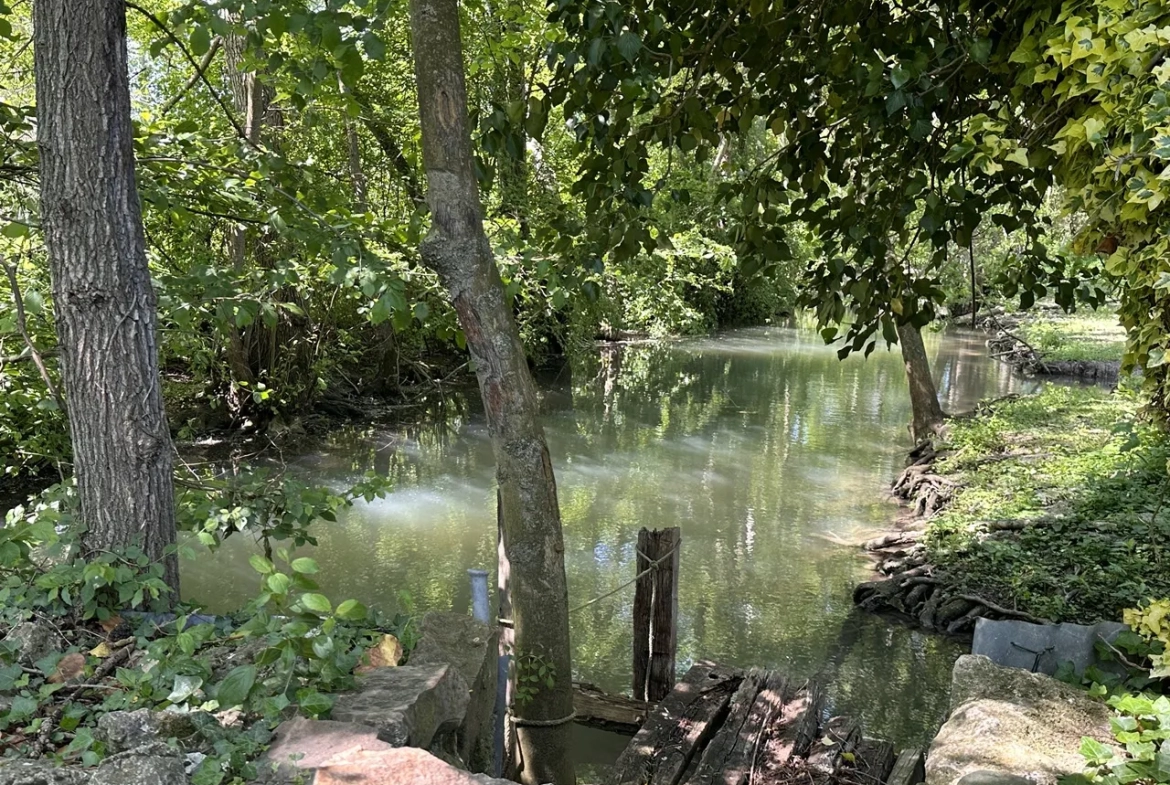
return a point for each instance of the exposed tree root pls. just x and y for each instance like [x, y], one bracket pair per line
[910, 586]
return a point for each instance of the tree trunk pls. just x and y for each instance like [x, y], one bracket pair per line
[457, 249]
[103, 299]
[928, 415]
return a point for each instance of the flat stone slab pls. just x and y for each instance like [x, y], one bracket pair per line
[1041, 647]
[1010, 723]
[301, 744]
[404, 766]
[406, 705]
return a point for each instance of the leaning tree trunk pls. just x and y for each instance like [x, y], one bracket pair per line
[104, 304]
[928, 414]
[457, 249]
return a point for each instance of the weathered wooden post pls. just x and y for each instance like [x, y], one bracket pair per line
[656, 613]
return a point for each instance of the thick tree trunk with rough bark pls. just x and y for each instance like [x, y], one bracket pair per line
[457, 248]
[928, 414]
[103, 300]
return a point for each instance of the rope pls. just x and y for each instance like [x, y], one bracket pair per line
[653, 566]
[520, 722]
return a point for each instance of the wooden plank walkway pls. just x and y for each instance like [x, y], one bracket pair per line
[724, 726]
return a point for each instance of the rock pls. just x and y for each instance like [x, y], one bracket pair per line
[39, 772]
[126, 730]
[407, 705]
[1043, 647]
[302, 744]
[34, 641]
[983, 777]
[1007, 721]
[150, 764]
[473, 649]
[404, 766]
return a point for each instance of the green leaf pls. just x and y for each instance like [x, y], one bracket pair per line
[628, 43]
[200, 41]
[261, 565]
[184, 687]
[305, 566]
[317, 603]
[351, 610]
[279, 583]
[313, 703]
[1094, 751]
[375, 49]
[14, 230]
[234, 689]
[34, 303]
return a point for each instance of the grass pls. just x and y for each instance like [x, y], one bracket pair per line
[1091, 482]
[1089, 336]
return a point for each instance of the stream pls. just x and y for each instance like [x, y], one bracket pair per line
[770, 454]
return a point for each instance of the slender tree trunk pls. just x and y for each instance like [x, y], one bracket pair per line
[457, 248]
[103, 300]
[353, 150]
[928, 414]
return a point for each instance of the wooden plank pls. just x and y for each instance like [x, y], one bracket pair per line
[604, 711]
[728, 759]
[664, 614]
[790, 735]
[839, 736]
[678, 728]
[909, 769]
[643, 600]
[872, 762]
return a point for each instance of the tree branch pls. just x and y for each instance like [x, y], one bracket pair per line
[200, 70]
[22, 328]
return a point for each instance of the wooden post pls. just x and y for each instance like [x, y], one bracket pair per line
[656, 613]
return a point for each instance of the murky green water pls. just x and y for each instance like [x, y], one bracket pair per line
[771, 455]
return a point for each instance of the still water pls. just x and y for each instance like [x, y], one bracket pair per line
[773, 457]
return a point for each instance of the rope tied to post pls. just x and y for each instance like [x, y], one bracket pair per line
[521, 722]
[654, 565]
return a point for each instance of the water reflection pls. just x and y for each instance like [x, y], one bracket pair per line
[772, 456]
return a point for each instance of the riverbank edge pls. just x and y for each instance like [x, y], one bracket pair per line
[910, 587]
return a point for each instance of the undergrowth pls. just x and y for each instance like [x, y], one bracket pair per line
[1061, 506]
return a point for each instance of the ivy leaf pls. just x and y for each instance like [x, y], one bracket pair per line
[184, 688]
[1094, 751]
[313, 703]
[234, 689]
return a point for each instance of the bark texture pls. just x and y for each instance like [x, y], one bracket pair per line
[103, 299]
[458, 250]
[928, 414]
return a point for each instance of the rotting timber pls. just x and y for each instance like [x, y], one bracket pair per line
[725, 726]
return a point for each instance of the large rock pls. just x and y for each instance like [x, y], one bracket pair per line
[152, 764]
[14, 771]
[305, 745]
[1007, 721]
[34, 641]
[407, 705]
[126, 730]
[473, 649]
[405, 766]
